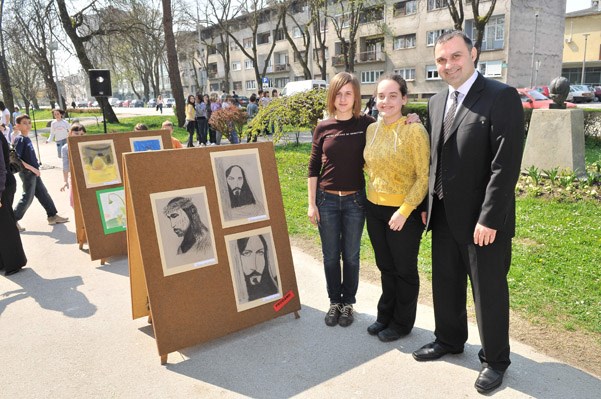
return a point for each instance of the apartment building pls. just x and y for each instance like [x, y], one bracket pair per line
[582, 48]
[522, 46]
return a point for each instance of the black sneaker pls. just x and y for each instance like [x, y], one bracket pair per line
[333, 314]
[346, 315]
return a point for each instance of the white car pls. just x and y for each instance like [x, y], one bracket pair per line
[170, 102]
[580, 94]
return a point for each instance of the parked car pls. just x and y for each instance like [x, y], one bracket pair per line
[533, 99]
[81, 104]
[136, 103]
[243, 101]
[152, 103]
[597, 92]
[95, 104]
[580, 94]
[170, 102]
[125, 103]
[113, 101]
[542, 89]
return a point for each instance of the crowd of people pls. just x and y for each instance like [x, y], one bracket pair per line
[454, 177]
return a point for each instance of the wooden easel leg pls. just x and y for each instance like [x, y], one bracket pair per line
[80, 245]
[150, 318]
[163, 359]
[102, 261]
[296, 314]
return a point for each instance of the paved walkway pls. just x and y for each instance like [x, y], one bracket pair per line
[66, 332]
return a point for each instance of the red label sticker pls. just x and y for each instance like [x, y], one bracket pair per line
[285, 299]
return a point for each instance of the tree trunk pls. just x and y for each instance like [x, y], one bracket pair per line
[172, 65]
[70, 26]
[7, 92]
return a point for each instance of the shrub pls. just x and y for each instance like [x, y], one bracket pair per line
[227, 119]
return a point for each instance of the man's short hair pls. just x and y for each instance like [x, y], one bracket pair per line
[445, 37]
[167, 123]
[21, 117]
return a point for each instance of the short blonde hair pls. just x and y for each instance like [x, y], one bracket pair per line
[336, 84]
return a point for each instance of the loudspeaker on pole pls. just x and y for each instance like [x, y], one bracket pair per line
[100, 83]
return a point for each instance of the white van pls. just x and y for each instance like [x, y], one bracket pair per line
[303, 85]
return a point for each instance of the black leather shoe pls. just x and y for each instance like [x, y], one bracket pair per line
[389, 334]
[375, 328]
[433, 351]
[488, 380]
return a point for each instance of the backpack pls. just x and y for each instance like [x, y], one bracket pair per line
[15, 164]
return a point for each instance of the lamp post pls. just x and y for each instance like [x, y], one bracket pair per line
[538, 62]
[584, 58]
[534, 47]
[53, 48]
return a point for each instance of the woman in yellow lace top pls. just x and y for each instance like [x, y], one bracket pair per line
[396, 164]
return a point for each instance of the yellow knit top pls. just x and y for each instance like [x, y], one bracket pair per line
[397, 161]
[190, 112]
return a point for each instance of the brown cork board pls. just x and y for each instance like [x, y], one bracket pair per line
[89, 223]
[199, 304]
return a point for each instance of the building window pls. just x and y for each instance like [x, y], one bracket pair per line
[297, 32]
[263, 38]
[251, 84]
[280, 82]
[301, 54]
[404, 8]
[372, 14]
[436, 4]
[433, 35]
[370, 76]
[279, 34]
[238, 85]
[432, 72]
[214, 86]
[404, 41]
[490, 68]
[406, 73]
[323, 24]
[247, 42]
[211, 50]
[248, 64]
[494, 33]
[234, 46]
[236, 66]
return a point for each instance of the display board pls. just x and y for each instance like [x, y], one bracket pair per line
[97, 186]
[208, 245]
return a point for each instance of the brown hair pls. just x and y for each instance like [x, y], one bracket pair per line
[21, 117]
[394, 77]
[336, 84]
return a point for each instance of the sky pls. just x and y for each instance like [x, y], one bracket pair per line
[575, 5]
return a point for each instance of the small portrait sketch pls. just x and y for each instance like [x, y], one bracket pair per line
[240, 189]
[184, 230]
[254, 268]
[151, 143]
[99, 162]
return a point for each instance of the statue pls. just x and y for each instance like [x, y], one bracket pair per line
[559, 89]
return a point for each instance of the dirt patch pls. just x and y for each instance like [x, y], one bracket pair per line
[576, 348]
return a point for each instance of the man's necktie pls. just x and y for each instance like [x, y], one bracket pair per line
[446, 132]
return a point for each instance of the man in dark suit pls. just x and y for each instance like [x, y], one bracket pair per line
[477, 132]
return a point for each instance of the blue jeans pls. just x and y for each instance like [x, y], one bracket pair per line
[33, 187]
[59, 145]
[340, 227]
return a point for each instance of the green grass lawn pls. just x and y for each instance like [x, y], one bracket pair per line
[555, 275]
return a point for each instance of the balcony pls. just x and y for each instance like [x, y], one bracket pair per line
[281, 67]
[371, 56]
[212, 74]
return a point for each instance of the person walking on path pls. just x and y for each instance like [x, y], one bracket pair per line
[202, 123]
[190, 119]
[76, 129]
[12, 256]
[476, 127]
[59, 130]
[336, 191]
[397, 157]
[33, 186]
[160, 103]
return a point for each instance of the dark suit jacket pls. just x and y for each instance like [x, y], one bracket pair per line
[481, 159]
